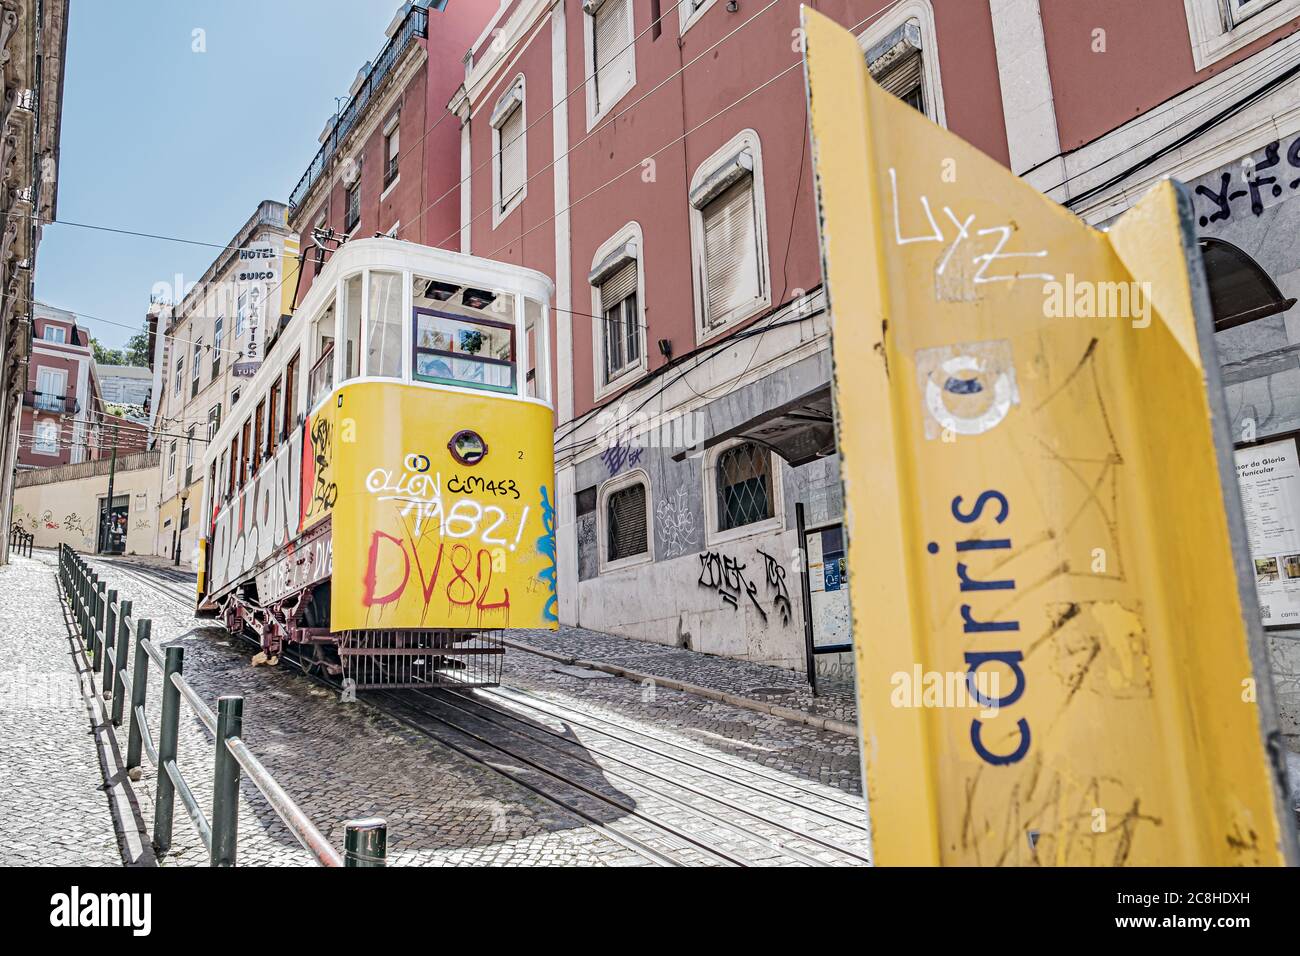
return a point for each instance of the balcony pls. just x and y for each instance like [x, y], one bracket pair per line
[414, 26]
[51, 402]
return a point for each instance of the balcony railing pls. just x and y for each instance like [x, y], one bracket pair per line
[51, 402]
[415, 25]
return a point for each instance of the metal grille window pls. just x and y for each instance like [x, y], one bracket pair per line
[744, 483]
[731, 276]
[611, 49]
[622, 330]
[625, 515]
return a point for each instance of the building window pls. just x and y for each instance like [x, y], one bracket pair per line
[611, 55]
[51, 386]
[214, 421]
[353, 214]
[896, 64]
[258, 449]
[617, 297]
[180, 372]
[55, 333]
[744, 490]
[625, 519]
[1218, 28]
[47, 437]
[290, 393]
[189, 455]
[729, 236]
[392, 153]
[218, 331]
[241, 314]
[690, 12]
[318, 237]
[509, 152]
[899, 49]
[195, 367]
[273, 419]
[171, 459]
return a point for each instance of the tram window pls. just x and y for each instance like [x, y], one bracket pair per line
[247, 452]
[537, 358]
[384, 326]
[233, 471]
[258, 445]
[352, 327]
[273, 420]
[290, 393]
[321, 378]
[467, 351]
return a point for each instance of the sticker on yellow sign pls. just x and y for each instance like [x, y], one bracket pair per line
[1044, 527]
[425, 535]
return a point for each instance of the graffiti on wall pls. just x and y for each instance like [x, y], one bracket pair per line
[619, 456]
[726, 575]
[676, 524]
[775, 572]
[1261, 179]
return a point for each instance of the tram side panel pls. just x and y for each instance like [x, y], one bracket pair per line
[441, 508]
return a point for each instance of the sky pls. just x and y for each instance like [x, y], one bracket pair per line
[174, 133]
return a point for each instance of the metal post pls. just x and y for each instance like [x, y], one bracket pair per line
[119, 665]
[139, 682]
[99, 622]
[810, 655]
[365, 842]
[167, 735]
[225, 787]
[110, 636]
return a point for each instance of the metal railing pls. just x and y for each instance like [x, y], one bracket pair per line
[107, 626]
[20, 541]
[415, 25]
[51, 401]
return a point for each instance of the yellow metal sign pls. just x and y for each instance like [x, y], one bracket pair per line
[422, 537]
[1057, 659]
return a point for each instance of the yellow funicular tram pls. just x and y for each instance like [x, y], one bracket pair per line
[381, 498]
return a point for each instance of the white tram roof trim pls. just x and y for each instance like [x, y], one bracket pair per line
[386, 255]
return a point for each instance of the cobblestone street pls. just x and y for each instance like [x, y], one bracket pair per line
[53, 809]
[560, 765]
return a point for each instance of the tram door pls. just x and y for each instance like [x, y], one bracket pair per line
[112, 525]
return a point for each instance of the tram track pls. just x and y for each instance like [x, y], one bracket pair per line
[480, 725]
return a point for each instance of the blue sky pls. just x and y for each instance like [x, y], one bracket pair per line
[158, 138]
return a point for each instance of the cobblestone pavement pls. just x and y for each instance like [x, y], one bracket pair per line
[341, 761]
[749, 785]
[53, 809]
[745, 679]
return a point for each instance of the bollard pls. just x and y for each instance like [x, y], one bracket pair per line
[365, 842]
[167, 734]
[225, 787]
[110, 635]
[99, 622]
[139, 682]
[119, 665]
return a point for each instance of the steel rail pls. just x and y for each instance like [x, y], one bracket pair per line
[722, 801]
[299, 824]
[689, 763]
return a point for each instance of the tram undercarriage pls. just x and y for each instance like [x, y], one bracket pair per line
[363, 659]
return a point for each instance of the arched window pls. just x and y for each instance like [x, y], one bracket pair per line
[743, 482]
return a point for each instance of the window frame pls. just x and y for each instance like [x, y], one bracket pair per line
[596, 109]
[349, 191]
[921, 12]
[688, 17]
[392, 164]
[45, 440]
[51, 327]
[1214, 34]
[607, 490]
[746, 141]
[774, 524]
[415, 350]
[171, 459]
[630, 235]
[196, 367]
[513, 99]
[218, 334]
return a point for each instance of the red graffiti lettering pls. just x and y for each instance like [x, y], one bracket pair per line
[372, 565]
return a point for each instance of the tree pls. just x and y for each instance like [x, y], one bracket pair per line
[106, 356]
[135, 353]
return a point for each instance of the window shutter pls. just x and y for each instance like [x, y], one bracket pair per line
[627, 527]
[903, 79]
[611, 49]
[730, 252]
[618, 286]
[512, 155]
